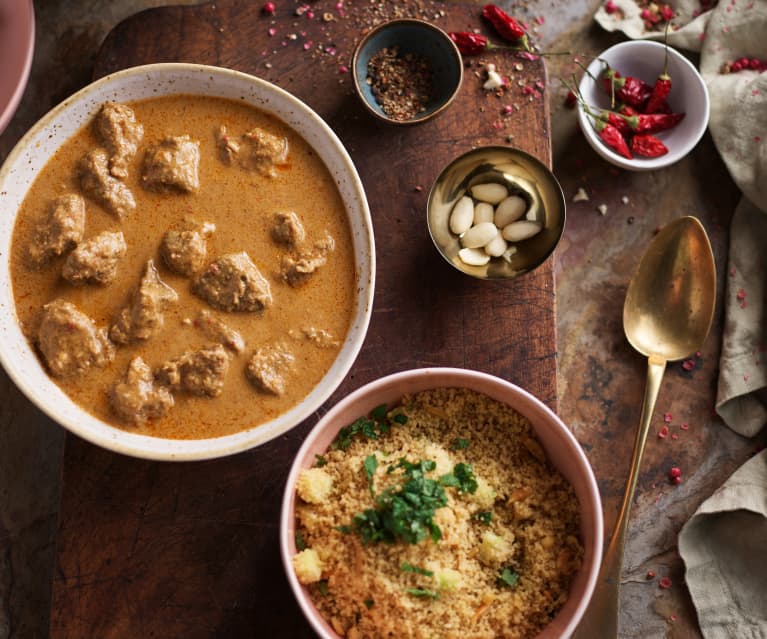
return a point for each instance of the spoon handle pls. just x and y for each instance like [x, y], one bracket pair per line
[603, 614]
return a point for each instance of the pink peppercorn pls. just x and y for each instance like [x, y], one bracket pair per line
[651, 574]
[667, 417]
[667, 13]
[675, 472]
[663, 432]
[610, 7]
[664, 583]
[268, 9]
[684, 426]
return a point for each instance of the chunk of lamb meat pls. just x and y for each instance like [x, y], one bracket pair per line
[96, 259]
[121, 134]
[296, 269]
[199, 372]
[263, 152]
[99, 185]
[228, 147]
[287, 229]
[70, 341]
[60, 231]
[173, 165]
[136, 399]
[144, 315]
[213, 328]
[233, 283]
[267, 367]
[184, 251]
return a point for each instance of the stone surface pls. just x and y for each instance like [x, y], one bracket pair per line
[601, 378]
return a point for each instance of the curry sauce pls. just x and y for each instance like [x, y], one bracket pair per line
[311, 317]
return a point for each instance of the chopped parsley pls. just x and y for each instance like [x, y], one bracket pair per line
[508, 577]
[322, 586]
[370, 464]
[460, 444]
[371, 427]
[320, 461]
[368, 603]
[405, 513]
[408, 567]
[461, 478]
[484, 516]
[422, 592]
[300, 543]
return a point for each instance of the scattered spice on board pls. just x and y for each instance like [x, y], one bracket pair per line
[663, 432]
[401, 84]
[651, 574]
[675, 475]
[664, 583]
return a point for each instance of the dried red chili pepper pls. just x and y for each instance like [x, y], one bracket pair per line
[653, 122]
[612, 137]
[618, 122]
[469, 43]
[647, 146]
[506, 26]
[661, 88]
[631, 90]
[744, 64]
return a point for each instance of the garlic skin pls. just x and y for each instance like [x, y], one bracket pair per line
[494, 80]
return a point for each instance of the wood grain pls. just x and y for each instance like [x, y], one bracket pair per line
[191, 550]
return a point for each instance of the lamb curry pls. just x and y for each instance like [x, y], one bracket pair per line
[184, 267]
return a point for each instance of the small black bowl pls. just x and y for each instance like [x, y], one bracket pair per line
[419, 38]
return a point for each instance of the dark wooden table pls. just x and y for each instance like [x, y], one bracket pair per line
[190, 550]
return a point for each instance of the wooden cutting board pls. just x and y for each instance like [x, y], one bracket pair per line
[149, 549]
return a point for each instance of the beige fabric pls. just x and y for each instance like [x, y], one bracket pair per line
[628, 20]
[725, 555]
[743, 365]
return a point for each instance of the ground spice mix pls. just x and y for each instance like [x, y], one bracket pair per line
[401, 84]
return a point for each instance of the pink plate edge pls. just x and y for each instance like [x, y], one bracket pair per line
[27, 27]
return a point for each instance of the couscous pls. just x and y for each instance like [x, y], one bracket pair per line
[438, 518]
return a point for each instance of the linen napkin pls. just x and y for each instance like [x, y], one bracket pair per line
[724, 544]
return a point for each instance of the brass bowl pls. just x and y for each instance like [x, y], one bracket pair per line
[521, 173]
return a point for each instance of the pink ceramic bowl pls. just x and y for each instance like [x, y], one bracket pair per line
[561, 448]
[17, 43]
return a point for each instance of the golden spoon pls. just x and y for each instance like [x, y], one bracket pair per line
[666, 316]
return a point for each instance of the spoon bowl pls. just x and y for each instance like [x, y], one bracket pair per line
[670, 300]
[666, 316]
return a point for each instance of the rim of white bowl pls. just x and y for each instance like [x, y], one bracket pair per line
[644, 164]
[17, 355]
[470, 378]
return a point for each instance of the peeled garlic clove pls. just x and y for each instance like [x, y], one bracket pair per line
[522, 230]
[496, 246]
[473, 256]
[509, 253]
[483, 212]
[509, 210]
[490, 192]
[479, 235]
[462, 215]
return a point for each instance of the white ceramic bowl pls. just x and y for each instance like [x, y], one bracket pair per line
[40, 143]
[644, 59]
[561, 448]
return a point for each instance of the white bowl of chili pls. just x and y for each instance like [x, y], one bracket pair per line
[483, 428]
[639, 63]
